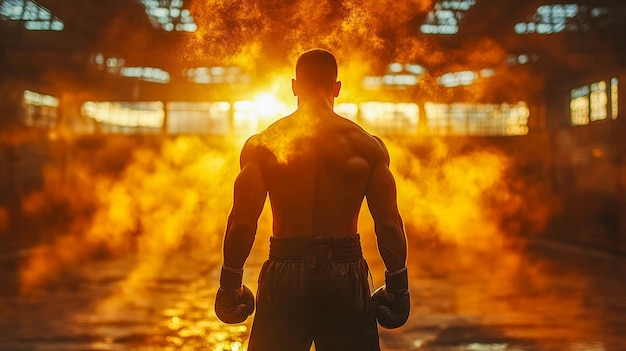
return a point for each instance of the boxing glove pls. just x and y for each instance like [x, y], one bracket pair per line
[234, 302]
[392, 301]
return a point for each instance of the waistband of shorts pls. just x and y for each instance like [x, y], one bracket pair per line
[299, 249]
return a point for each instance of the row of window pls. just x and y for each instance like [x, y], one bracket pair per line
[250, 116]
[594, 102]
[589, 103]
[247, 117]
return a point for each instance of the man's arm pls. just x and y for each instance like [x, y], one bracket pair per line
[382, 202]
[392, 301]
[234, 302]
[250, 192]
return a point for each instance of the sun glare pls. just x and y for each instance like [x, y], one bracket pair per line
[268, 106]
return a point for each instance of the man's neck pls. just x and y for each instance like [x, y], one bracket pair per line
[317, 104]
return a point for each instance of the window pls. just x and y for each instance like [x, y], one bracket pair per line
[444, 18]
[148, 74]
[39, 110]
[614, 99]
[579, 110]
[245, 118]
[590, 103]
[549, 19]
[477, 119]
[34, 16]
[216, 75]
[170, 15]
[126, 117]
[347, 110]
[198, 117]
[598, 101]
[390, 117]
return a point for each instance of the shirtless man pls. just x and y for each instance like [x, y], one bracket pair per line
[317, 168]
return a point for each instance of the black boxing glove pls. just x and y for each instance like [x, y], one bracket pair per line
[392, 301]
[234, 302]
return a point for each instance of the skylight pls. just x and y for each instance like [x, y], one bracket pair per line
[455, 79]
[398, 75]
[117, 65]
[445, 17]
[170, 15]
[34, 16]
[216, 75]
[549, 19]
[149, 74]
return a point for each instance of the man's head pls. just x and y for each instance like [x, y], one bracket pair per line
[316, 71]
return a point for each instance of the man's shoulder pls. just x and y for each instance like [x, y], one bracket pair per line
[363, 144]
[254, 149]
[365, 141]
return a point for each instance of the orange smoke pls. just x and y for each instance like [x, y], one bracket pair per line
[265, 35]
[175, 197]
[444, 196]
[470, 201]
[366, 36]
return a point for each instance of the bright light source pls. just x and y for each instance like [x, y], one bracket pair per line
[170, 16]
[548, 19]
[347, 110]
[399, 79]
[454, 79]
[395, 67]
[192, 117]
[39, 110]
[268, 106]
[487, 72]
[445, 17]
[390, 117]
[36, 99]
[217, 71]
[476, 119]
[487, 347]
[614, 99]
[398, 76]
[215, 75]
[126, 114]
[149, 74]
[35, 16]
[190, 27]
[245, 118]
[414, 68]
[522, 59]
[598, 101]
[372, 82]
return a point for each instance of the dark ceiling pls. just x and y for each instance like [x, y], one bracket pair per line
[121, 28]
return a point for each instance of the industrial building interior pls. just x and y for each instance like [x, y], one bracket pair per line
[121, 123]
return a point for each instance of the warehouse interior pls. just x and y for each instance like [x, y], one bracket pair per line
[121, 122]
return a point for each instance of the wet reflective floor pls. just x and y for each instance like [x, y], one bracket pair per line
[539, 299]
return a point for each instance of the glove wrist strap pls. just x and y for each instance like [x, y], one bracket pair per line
[230, 278]
[397, 281]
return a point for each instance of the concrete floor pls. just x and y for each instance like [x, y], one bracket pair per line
[542, 298]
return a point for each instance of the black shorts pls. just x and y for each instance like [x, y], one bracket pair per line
[314, 290]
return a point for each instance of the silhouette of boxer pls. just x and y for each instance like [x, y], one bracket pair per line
[317, 168]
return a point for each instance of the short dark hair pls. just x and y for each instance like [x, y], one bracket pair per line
[317, 68]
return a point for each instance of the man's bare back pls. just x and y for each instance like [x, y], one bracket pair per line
[316, 190]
